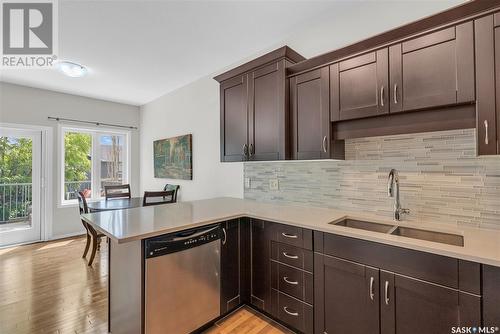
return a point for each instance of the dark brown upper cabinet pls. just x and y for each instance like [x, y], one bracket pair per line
[254, 115]
[433, 70]
[234, 119]
[487, 39]
[309, 96]
[359, 86]
[267, 126]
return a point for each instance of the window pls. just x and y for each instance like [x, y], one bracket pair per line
[91, 160]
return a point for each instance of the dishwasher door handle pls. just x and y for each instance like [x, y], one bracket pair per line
[194, 235]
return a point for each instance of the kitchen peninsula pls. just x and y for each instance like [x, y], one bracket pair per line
[314, 241]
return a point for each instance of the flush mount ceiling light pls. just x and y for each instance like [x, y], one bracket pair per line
[71, 69]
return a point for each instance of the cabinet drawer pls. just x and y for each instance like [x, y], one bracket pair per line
[425, 266]
[292, 235]
[292, 281]
[293, 256]
[295, 313]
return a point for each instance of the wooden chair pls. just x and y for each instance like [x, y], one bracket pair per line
[164, 197]
[121, 191]
[92, 234]
[174, 187]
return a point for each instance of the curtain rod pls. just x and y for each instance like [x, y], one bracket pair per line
[93, 123]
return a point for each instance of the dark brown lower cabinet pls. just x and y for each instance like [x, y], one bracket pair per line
[260, 266]
[491, 296]
[346, 296]
[352, 297]
[230, 266]
[411, 306]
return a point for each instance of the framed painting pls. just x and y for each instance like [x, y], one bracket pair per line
[173, 158]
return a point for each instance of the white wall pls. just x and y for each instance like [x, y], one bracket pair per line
[195, 107]
[30, 106]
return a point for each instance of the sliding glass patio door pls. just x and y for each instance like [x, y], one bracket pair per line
[20, 172]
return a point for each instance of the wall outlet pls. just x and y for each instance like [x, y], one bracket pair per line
[247, 183]
[274, 184]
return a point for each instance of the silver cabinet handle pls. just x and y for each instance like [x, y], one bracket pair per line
[285, 254]
[324, 144]
[290, 282]
[382, 96]
[372, 294]
[245, 150]
[291, 236]
[252, 151]
[395, 93]
[486, 136]
[295, 314]
[386, 292]
[225, 236]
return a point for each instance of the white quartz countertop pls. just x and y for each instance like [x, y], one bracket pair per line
[480, 245]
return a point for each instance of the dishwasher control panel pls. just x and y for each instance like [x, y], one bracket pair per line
[176, 242]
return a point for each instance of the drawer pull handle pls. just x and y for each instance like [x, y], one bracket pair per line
[386, 292]
[486, 136]
[372, 294]
[295, 314]
[290, 282]
[324, 144]
[291, 236]
[295, 257]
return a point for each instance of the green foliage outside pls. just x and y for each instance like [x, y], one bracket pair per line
[16, 168]
[15, 160]
[77, 151]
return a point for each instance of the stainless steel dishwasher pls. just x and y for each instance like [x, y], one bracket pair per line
[182, 282]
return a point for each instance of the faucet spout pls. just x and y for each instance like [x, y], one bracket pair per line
[393, 191]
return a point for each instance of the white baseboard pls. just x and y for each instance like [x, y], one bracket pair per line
[68, 235]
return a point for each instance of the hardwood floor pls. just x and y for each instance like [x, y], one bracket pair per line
[48, 288]
[247, 321]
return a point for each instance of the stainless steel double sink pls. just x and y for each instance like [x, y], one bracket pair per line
[408, 232]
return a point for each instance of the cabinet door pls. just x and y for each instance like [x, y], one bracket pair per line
[410, 306]
[491, 295]
[359, 86]
[487, 46]
[433, 70]
[346, 296]
[230, 266]
[260, 252]
[309, 93]
[268, 117]
[234, 119]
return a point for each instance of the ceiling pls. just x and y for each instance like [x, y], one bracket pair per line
[137, 51]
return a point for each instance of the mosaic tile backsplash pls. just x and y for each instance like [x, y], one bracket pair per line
[441, 179]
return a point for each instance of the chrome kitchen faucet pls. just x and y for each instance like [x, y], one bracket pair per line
[393, 191]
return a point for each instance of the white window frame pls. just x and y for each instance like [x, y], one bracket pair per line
[96, 163]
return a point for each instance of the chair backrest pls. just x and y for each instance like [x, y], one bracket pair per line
[174, 187]
[121, 191]
[160, 197]
[82, 202]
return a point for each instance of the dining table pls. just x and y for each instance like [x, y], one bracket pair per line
[120, 203]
